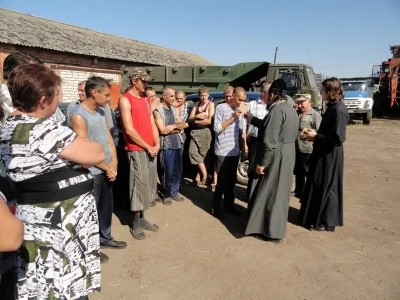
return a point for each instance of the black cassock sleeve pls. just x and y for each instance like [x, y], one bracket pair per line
[337, 135]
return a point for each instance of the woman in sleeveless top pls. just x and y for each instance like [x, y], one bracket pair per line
[200, 120]
[59, 257]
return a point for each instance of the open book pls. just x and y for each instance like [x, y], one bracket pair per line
[244, 107]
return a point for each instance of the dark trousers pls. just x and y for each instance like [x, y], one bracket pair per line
[170, 171]
[121, 184]
[104, 202]
[252, 145]
[300, 172]
[226, 168]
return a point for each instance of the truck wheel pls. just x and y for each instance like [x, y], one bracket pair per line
[241, 173]
[367, 118]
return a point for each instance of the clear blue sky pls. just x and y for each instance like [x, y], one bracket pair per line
[343, 37]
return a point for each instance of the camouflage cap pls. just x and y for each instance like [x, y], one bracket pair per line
[139, 73]
[302, 97]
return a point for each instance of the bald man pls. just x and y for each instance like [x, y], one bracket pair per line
[228, 94]
[228, 127]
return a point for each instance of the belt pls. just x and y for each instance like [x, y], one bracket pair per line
[44, 188]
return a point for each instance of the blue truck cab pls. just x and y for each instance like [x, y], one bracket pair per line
[358, 100]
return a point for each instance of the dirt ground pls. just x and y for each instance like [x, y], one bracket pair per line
[195, 256]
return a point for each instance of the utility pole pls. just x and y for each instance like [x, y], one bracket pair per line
[276, 52]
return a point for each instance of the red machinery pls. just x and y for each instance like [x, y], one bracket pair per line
[387, 99]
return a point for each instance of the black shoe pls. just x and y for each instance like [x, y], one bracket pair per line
[324, 228]
[103, 258]
[267, 239]
[232, 210]
[178, 198]
[113, 245]
[296, 194]
[309, 227]
[275, 241]
[217, 213]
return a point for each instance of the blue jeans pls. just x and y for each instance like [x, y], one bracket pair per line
[170, 171]
[103, 192]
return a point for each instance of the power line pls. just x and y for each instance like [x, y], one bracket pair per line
[362, 56]
[345, 64]
[358, 52]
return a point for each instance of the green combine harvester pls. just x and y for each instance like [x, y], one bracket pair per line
[299, 78]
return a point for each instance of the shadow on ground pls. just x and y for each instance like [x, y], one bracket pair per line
[293, 216]
[202, 198]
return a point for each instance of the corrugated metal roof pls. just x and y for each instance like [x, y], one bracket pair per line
[27, 30]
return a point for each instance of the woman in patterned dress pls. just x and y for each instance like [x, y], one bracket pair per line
[59, 257]
[11, 229]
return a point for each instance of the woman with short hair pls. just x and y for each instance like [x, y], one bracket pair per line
[322, 201]
[59, 256]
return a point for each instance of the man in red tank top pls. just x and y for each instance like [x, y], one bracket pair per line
[142, 145]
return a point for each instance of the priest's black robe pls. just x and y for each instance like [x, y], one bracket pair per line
[270, 193]
[322, 201]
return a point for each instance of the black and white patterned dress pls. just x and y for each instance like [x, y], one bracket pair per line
[59, 257]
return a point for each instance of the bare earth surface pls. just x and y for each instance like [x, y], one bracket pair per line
[195, 256]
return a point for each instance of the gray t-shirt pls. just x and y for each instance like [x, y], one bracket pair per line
[97, 131]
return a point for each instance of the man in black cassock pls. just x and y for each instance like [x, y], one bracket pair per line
[275, 157]
[322, 202]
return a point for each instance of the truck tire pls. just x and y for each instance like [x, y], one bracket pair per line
[241, 174]
[367, 118]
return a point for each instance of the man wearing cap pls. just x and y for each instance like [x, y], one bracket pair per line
[308, 118]
[142, 144]
[275, 157]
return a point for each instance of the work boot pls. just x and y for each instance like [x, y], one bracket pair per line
[178, 198]
[103, 258]
[113, 244]
[136, 229]
[147, 225]
[167, 201]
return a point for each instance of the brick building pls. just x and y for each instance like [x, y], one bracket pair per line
[75, 53]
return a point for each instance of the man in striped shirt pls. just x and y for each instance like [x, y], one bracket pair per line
[228, 128]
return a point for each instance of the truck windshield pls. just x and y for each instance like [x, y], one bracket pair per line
[311, 76]
[289, 78]
[355, 86]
